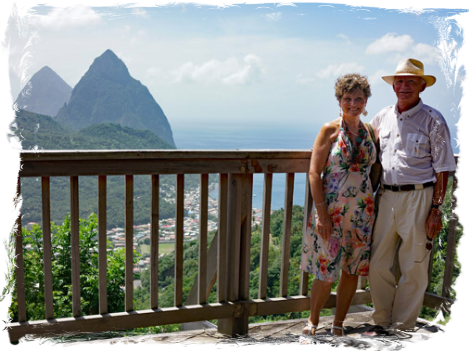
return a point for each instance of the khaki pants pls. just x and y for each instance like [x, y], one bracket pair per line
[399, 258]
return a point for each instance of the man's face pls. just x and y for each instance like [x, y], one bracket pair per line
[408, 88]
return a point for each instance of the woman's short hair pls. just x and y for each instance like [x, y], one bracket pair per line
[350, 82]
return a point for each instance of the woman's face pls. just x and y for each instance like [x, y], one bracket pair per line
[353, 103]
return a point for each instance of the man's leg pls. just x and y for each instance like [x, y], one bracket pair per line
[383, 250]
[413, 258]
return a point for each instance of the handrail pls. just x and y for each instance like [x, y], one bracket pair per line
[232, 245]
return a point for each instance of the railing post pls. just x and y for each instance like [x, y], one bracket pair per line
[238, 251]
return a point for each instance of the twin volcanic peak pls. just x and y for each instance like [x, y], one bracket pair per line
[108, 94]
[45, 93]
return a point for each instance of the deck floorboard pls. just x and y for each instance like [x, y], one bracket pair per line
[290, 332]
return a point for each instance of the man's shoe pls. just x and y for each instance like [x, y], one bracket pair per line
[374, 335]
[394, 343]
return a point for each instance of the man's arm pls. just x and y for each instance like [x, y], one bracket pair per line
[434, 223]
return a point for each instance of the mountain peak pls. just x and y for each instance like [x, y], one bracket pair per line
[45, 93]
[107, 93]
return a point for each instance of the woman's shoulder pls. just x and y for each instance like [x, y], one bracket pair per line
[331, 129]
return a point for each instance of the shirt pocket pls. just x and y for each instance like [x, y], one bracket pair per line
[418, 145]
[384, 139]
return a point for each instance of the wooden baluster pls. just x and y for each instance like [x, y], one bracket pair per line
[245, 245]
[102, 244]
[304, 286]
[46, 237]
[179, 254]
[289, 183]
[203, 216]
[264, 257]
[129, 245]
[154, 241]
[19, 271]
[222, 237]
[75, 245]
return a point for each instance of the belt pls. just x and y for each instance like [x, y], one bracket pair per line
[407, 187]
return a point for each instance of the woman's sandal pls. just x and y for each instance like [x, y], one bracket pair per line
[309, 329]
[307, 337]
[342, 343]
[339, 328]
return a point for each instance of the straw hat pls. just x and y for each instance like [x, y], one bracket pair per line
[410, 67]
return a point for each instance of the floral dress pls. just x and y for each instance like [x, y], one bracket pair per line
[349, 199]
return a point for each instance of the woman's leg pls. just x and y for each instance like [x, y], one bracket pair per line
[320, 291]
[345, 293]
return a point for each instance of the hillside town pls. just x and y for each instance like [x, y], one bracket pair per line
[167, 227]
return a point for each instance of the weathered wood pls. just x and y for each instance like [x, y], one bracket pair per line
[129, 244]
[102, 243]
[289, 182]
[437, 302]
[154, 240]
[304, 285]
[450, 245]
[264, 256]
[75, 246]
[47, 253]
[222, 237]
[245, 245]
[203, 220]
[179, 254]
[19, 269]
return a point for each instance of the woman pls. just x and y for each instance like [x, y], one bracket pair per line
[339, 232]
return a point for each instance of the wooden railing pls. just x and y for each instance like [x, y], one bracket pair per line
[226, 262]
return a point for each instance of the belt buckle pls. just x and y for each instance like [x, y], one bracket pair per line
[395, 188]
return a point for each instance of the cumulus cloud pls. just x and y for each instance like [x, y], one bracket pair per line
[75, 16]
[417, 12]
[11, 11]
[425, 53]
[463, 79]
[230, 71]
[337, 70]
[139, 11]
[376, 77]
[390, 43]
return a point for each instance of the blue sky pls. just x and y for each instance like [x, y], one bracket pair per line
[266, 65]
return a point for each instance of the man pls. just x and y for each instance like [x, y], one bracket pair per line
[416, 156]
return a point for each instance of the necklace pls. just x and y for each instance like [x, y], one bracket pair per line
[359, 136]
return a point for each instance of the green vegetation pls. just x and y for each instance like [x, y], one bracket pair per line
[34, 284]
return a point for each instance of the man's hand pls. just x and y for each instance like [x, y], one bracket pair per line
[433, 224]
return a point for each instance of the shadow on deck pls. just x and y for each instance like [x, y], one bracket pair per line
[288, 332]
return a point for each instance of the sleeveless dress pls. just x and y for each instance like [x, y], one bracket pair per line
[349, 200]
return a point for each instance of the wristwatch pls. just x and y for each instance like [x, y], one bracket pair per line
[438, 207]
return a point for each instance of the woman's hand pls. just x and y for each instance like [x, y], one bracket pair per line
[324, 227]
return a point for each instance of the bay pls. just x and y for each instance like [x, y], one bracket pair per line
[237, 138]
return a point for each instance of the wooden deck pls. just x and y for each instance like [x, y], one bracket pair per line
[285, 333]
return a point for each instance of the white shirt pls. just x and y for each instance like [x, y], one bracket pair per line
[415, 145]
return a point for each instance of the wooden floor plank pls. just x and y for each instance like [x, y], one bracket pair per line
[280, 336]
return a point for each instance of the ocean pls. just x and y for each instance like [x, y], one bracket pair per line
[233, 138]
[238, 138]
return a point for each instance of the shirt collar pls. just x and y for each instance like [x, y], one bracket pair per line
[411, 112]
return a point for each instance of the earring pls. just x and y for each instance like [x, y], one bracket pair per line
[340, 112]
[365, 113]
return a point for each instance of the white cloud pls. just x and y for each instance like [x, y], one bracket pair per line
[230, 71]
[337, 70]
[389, 43]
[376, 77]
[273, 17]
[417, 12]
[140, 12]
[303, 79]
[345, 38]
[75, 16]
[463, 79]
[425, 53]
[11, 11]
